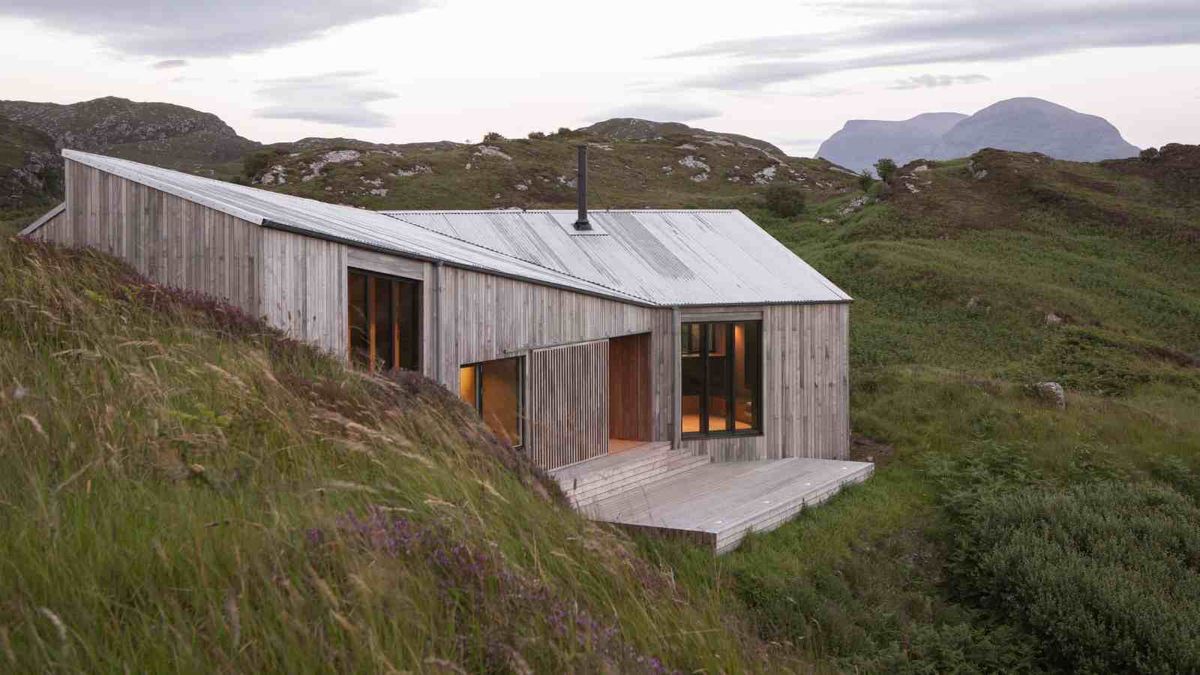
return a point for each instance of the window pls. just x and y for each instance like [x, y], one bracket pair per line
[495, 389]
[385, 321]
[721, 369]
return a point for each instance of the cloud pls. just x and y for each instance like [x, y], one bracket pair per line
[663, 112]
[169, 63]
[946, 32]
[192, 28]
[332, 98]
[930, 81]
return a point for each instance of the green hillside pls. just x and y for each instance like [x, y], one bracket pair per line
[182, 489]
[999, 532]
[682, 168]
[181, 486]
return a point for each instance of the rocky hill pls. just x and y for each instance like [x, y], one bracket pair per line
[1020, 124]
[159, 133]
[668, 167]
[30, 173]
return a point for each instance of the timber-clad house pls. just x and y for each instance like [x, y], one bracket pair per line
[690, 336]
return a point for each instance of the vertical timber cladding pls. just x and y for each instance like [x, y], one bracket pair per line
[484, 317]
[170, 240]
[806, 387]
[304, 288]
[567, 406]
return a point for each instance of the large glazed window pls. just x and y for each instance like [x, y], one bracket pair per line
[721, 378]
[384, 320]
[494, 389]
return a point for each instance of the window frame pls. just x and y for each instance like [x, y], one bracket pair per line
[477, 405]
[729, 389]
[397, 286]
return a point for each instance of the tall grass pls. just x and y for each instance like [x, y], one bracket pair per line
[182, 489]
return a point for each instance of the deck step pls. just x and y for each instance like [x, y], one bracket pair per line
[659, 472]
[609, 476]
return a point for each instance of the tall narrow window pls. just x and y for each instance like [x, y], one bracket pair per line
[384, 321]
[721, 377]
[494, 389]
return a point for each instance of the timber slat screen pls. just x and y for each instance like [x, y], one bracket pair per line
[568, 404]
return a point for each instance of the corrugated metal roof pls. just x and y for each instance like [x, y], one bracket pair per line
[668, 258]
[355, 226]
[671, 257]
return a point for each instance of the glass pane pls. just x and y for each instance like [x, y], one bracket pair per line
[718, 376]
[384, 325]
[360, 339]
[409, 313]
[466, 386]
[691, 371]
[501, 400]
[747, 374]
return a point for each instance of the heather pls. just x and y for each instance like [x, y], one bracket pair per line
[184, 489]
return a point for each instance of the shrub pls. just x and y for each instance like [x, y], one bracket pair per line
[493, 137]
[257, 162]
[1107, 574]
[886, 168]
[785, 201]
[865, 181]
[1148, 155]
[537, 135]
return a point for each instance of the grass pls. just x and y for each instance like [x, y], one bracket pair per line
[182, 486]
[949, 330]
[182, 489]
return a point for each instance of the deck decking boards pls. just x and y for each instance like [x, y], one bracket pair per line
[715, 503]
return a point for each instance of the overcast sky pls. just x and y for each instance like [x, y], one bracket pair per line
[789, 72]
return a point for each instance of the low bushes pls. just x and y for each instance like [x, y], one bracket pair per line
[1106, 573]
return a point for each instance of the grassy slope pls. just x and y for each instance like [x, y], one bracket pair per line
[181, 489]
[622, 173]
[952, 287]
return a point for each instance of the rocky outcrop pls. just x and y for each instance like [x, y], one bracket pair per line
[162, 133]
[30, 169]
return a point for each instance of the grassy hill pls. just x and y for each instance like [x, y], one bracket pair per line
[1000, 532]
[180, 478]
[683, 168]
[182, 489]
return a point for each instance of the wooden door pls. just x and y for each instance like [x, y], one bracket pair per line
[630, 406]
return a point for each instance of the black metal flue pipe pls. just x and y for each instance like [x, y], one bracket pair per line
[581, 223]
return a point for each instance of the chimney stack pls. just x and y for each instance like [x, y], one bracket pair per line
[581, 223]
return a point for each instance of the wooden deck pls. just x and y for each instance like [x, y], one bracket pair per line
[716, 504]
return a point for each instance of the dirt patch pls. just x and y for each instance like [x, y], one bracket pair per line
[867, 449]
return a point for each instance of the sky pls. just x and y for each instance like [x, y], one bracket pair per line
[788, 72]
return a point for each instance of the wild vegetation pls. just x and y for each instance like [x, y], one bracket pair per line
[181, 485]
[182, 489]
[1001, 532]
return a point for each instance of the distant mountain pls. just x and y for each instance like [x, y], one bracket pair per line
[1019, 124]
[861, 142]
[159, 133]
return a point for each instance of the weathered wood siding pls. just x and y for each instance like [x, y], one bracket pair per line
[299, 284]
[484, 317]
[806, 386]
[304, 288]
[170, 240]
[566, 419]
